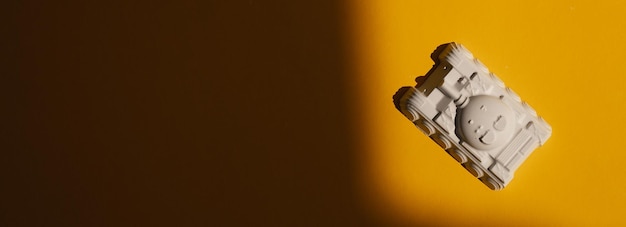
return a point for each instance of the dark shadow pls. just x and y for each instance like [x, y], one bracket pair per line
[138, 113]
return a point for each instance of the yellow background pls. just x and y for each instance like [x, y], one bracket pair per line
[565, 58]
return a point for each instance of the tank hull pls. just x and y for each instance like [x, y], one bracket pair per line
[471, 114]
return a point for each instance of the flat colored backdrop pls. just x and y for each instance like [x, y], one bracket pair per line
[565, 58]
[176, 113]
[279, 113]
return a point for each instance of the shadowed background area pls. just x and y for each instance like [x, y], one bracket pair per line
[121, 113]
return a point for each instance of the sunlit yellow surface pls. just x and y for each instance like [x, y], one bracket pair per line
[567, 59]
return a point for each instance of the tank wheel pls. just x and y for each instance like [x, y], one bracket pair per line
[474, 169]
[491, 183]
[457, 155]
[426, 127]
[441, 141]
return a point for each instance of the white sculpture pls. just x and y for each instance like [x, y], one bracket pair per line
[469, 112]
